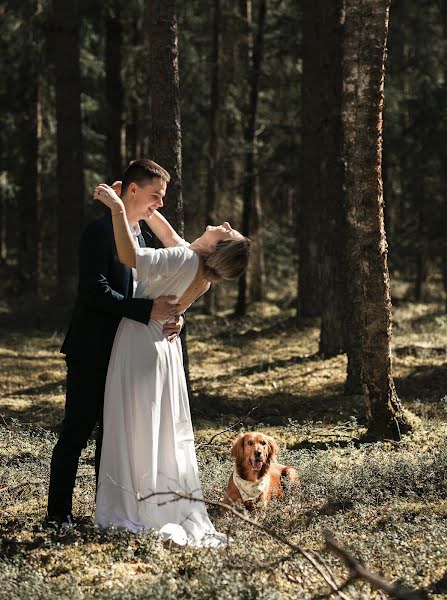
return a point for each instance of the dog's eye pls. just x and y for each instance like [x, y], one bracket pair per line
[263, 443]
[250, 443]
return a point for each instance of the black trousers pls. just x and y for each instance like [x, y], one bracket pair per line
[83, 414]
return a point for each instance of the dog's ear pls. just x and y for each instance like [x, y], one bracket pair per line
[237, 451]
[273, 449]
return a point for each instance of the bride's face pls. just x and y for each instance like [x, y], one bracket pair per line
[219, 233]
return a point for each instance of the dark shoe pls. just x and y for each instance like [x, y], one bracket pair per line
[59, 522]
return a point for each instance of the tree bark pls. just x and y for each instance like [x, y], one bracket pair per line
[165, 106]
[256, 270]
[213, 152]
[70, 177]
[114, 89]
[443, 248]
[369, 348]
[422, 257]
[165, 113]
[28, 179]
[250, 141]
[310, 196]
[331, 181]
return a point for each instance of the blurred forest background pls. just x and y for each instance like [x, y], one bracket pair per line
[85, 71]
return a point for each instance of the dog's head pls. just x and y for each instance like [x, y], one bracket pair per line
[253, 453]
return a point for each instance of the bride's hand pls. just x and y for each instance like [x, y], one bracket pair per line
[117, 186]
[107, 195]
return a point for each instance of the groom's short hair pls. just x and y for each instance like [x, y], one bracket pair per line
[142, 171]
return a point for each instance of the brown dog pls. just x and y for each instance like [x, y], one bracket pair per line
[256, 478]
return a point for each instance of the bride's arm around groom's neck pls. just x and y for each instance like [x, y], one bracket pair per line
[163, 230]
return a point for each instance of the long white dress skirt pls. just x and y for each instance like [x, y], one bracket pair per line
[148, 444]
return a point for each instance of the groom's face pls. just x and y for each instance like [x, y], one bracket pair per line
[148, 197]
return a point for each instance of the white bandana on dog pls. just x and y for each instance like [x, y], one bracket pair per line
[250, 490]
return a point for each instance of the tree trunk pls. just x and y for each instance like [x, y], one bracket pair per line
[331, 181]
[310, 195]
[256, 271]
[166, 133]
[114, 89]
[70, 177]
[28, 250]
[250, 141]
[165, 115]
[212, 158]
[2, 225]
[443, 245]
[421, 259]
[369, 348]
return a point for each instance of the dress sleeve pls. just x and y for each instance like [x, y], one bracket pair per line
[182, 243]
[161, 262]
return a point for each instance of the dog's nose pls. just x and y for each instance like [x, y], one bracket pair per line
[257, 454]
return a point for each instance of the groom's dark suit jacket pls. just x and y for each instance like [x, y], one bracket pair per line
[104, 295]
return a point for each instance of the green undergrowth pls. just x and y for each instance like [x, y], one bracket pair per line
[384, 501]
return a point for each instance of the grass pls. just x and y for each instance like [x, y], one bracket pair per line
[384, 501]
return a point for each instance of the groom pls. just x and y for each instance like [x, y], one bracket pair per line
[105, 295]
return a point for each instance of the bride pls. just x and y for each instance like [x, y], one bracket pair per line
[148, 444]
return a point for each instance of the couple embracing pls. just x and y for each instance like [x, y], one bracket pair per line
[125, 367]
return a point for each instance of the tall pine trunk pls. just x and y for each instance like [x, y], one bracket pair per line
[70, 176]
[256, 269]
[369, 348]
[213, 152]
[114, 89]
[28, 250]
[250, 142]
[165, 106]
[310, 194]
[331, 181]
[29, 225]
[443, 248]
[165, 116]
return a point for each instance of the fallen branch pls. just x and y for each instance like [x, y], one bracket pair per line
[273, 534]
[358, 571]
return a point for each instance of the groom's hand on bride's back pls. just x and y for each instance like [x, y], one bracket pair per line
[163, 309]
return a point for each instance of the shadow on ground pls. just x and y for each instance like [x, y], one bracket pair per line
[426, 382]
[44, 413]
[278, 408]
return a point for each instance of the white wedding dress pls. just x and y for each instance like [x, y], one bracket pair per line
[148, 444]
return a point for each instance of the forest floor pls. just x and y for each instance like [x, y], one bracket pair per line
[384, 501]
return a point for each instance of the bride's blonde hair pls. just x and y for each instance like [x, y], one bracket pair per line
[228, 261]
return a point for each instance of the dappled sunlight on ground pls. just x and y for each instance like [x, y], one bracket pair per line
[385, 501]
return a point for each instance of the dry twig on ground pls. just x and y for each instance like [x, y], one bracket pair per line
[358, 571]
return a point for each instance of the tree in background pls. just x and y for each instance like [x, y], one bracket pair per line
[414, 152]
[213, 151]
[369, 309]
[256, 268]
[443, 155]
[166, 145]
[331, 183]
[310, 193]
[250, 141]
[27, 164]
[114, 87]
[70, 176]
[320, 280]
